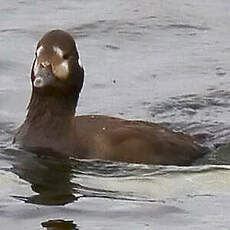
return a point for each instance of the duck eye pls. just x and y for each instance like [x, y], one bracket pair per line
[65, 56]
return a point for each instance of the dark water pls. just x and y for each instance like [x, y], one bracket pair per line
[162, 61]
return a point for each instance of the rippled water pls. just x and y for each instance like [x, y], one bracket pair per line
[163, 61]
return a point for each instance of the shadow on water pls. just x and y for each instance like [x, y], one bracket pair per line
[59, 225]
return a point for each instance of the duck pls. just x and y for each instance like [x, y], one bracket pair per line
[57, 77]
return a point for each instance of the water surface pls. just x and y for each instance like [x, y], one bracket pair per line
[161, 61]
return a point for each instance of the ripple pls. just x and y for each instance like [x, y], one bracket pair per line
[112, 47]
[101, 27]
[190, 104]
[188, 26]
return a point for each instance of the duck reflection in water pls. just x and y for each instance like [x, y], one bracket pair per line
[52, 177]
[49, 177]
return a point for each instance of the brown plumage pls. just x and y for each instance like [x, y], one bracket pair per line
[57, 78]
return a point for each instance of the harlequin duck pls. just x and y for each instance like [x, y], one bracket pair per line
[57, 77]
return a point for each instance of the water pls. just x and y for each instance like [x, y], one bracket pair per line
[162, 61]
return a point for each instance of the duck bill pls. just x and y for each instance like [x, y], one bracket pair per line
[43, 78]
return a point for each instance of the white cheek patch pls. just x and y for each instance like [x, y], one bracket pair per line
[65, 66]
[61, 71]
[58, 51]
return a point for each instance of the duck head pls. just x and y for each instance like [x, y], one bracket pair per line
[57, 68]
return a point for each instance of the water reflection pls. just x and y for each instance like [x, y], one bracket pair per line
[58, 181]
[59, 225]
[50, 177]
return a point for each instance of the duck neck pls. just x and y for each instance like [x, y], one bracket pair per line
[51, 112]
